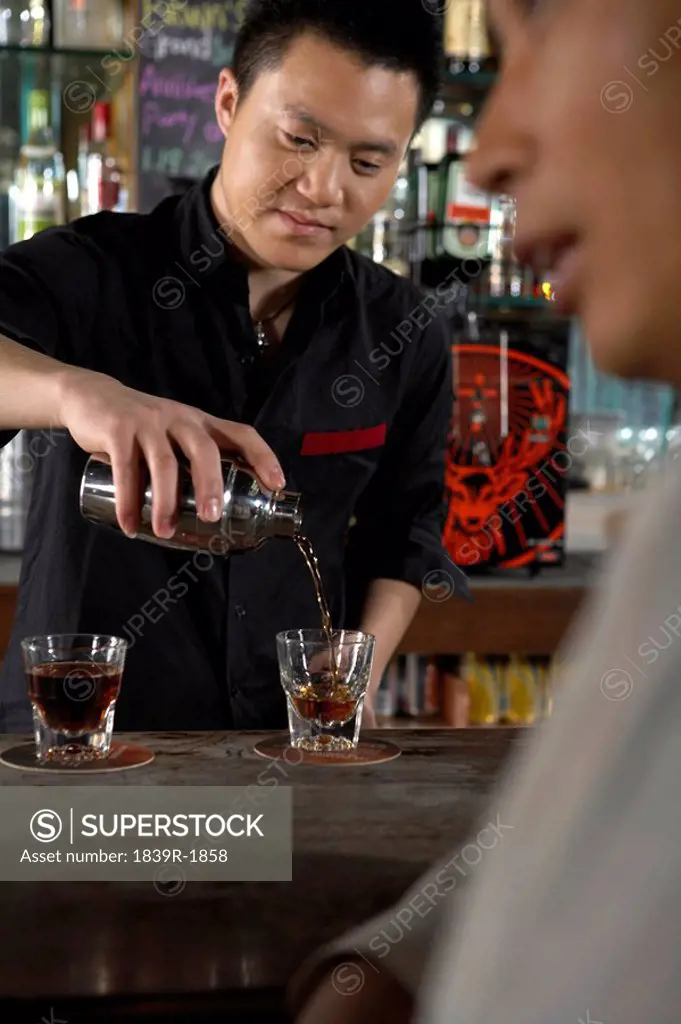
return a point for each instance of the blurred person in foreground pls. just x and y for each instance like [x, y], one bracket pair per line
[576, 915]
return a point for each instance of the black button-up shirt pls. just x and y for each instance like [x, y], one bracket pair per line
[356, 412]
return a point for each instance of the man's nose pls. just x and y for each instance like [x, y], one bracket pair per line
[505, 146]
[322, 180]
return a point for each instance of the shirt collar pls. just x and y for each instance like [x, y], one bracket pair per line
[206, 250]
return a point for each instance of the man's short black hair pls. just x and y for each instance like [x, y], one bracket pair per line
[399, 35]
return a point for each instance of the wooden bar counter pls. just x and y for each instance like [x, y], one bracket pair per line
[221, 951]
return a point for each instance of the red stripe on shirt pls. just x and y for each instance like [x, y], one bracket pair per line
[333, 442]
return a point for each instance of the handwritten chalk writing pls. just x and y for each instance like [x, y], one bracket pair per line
[199, 163]
[176, 162]
[183, 45]
[176, 87]
[153, 116]
[162, 161]
[194, 47]
[222, 16]
[212, 132]
[222, 52]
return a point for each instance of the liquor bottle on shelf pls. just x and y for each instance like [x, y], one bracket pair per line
[438, 188]
[498, 666]
[466, 42]
[8, 154]
[434, 191]
[483, 690]
[468, 210]
[417, 206]
[432, 702]
[88, 24]
[102, 187]
[522, 683]
[84, 136]
[37, 196]
[544, 686]
[454, 695]
[506, 276]
[384, 238]
[24, 23]
[411, 687]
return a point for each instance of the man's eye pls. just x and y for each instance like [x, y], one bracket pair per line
[298, 140]
[369, 167]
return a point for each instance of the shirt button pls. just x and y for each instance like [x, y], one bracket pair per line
[239, 611]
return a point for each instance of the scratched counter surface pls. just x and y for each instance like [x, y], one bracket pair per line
[220, 951]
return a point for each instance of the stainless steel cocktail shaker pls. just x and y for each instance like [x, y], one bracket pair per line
[250, 515]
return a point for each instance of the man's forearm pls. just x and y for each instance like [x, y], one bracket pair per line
[30, 387]
[389, 608]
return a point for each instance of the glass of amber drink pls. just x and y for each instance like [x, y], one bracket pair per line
[325, 677]
[73, 683]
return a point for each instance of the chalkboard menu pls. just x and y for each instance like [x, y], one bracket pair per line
[184, 46]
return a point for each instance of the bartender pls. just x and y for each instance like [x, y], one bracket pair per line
[235, 319]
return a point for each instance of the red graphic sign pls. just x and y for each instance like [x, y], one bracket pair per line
[505, 471]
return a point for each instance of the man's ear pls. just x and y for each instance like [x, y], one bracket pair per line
[226, 98]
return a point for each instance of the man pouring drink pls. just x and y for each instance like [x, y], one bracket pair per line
[235, 321]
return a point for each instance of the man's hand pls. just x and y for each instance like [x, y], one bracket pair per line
[354, 994]
[104, 416]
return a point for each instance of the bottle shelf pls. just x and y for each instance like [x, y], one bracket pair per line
[83, 76]
[57, 51]
[509, 308]
[462, 93]
[512, 302]
[479, 81]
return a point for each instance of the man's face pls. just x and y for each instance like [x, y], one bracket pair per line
[320, 139]
[584, 128]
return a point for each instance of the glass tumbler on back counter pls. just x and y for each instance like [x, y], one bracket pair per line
[73, 684]
[325, 678]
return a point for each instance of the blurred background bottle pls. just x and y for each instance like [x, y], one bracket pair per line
[483, 690]
[9, 144]
[24, 23]
[37, 195]
[101, 179]
[468, 210]
[88, 24]
[466, 41]
[523, 689]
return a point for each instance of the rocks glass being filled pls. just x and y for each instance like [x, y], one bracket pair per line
[325, 685]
